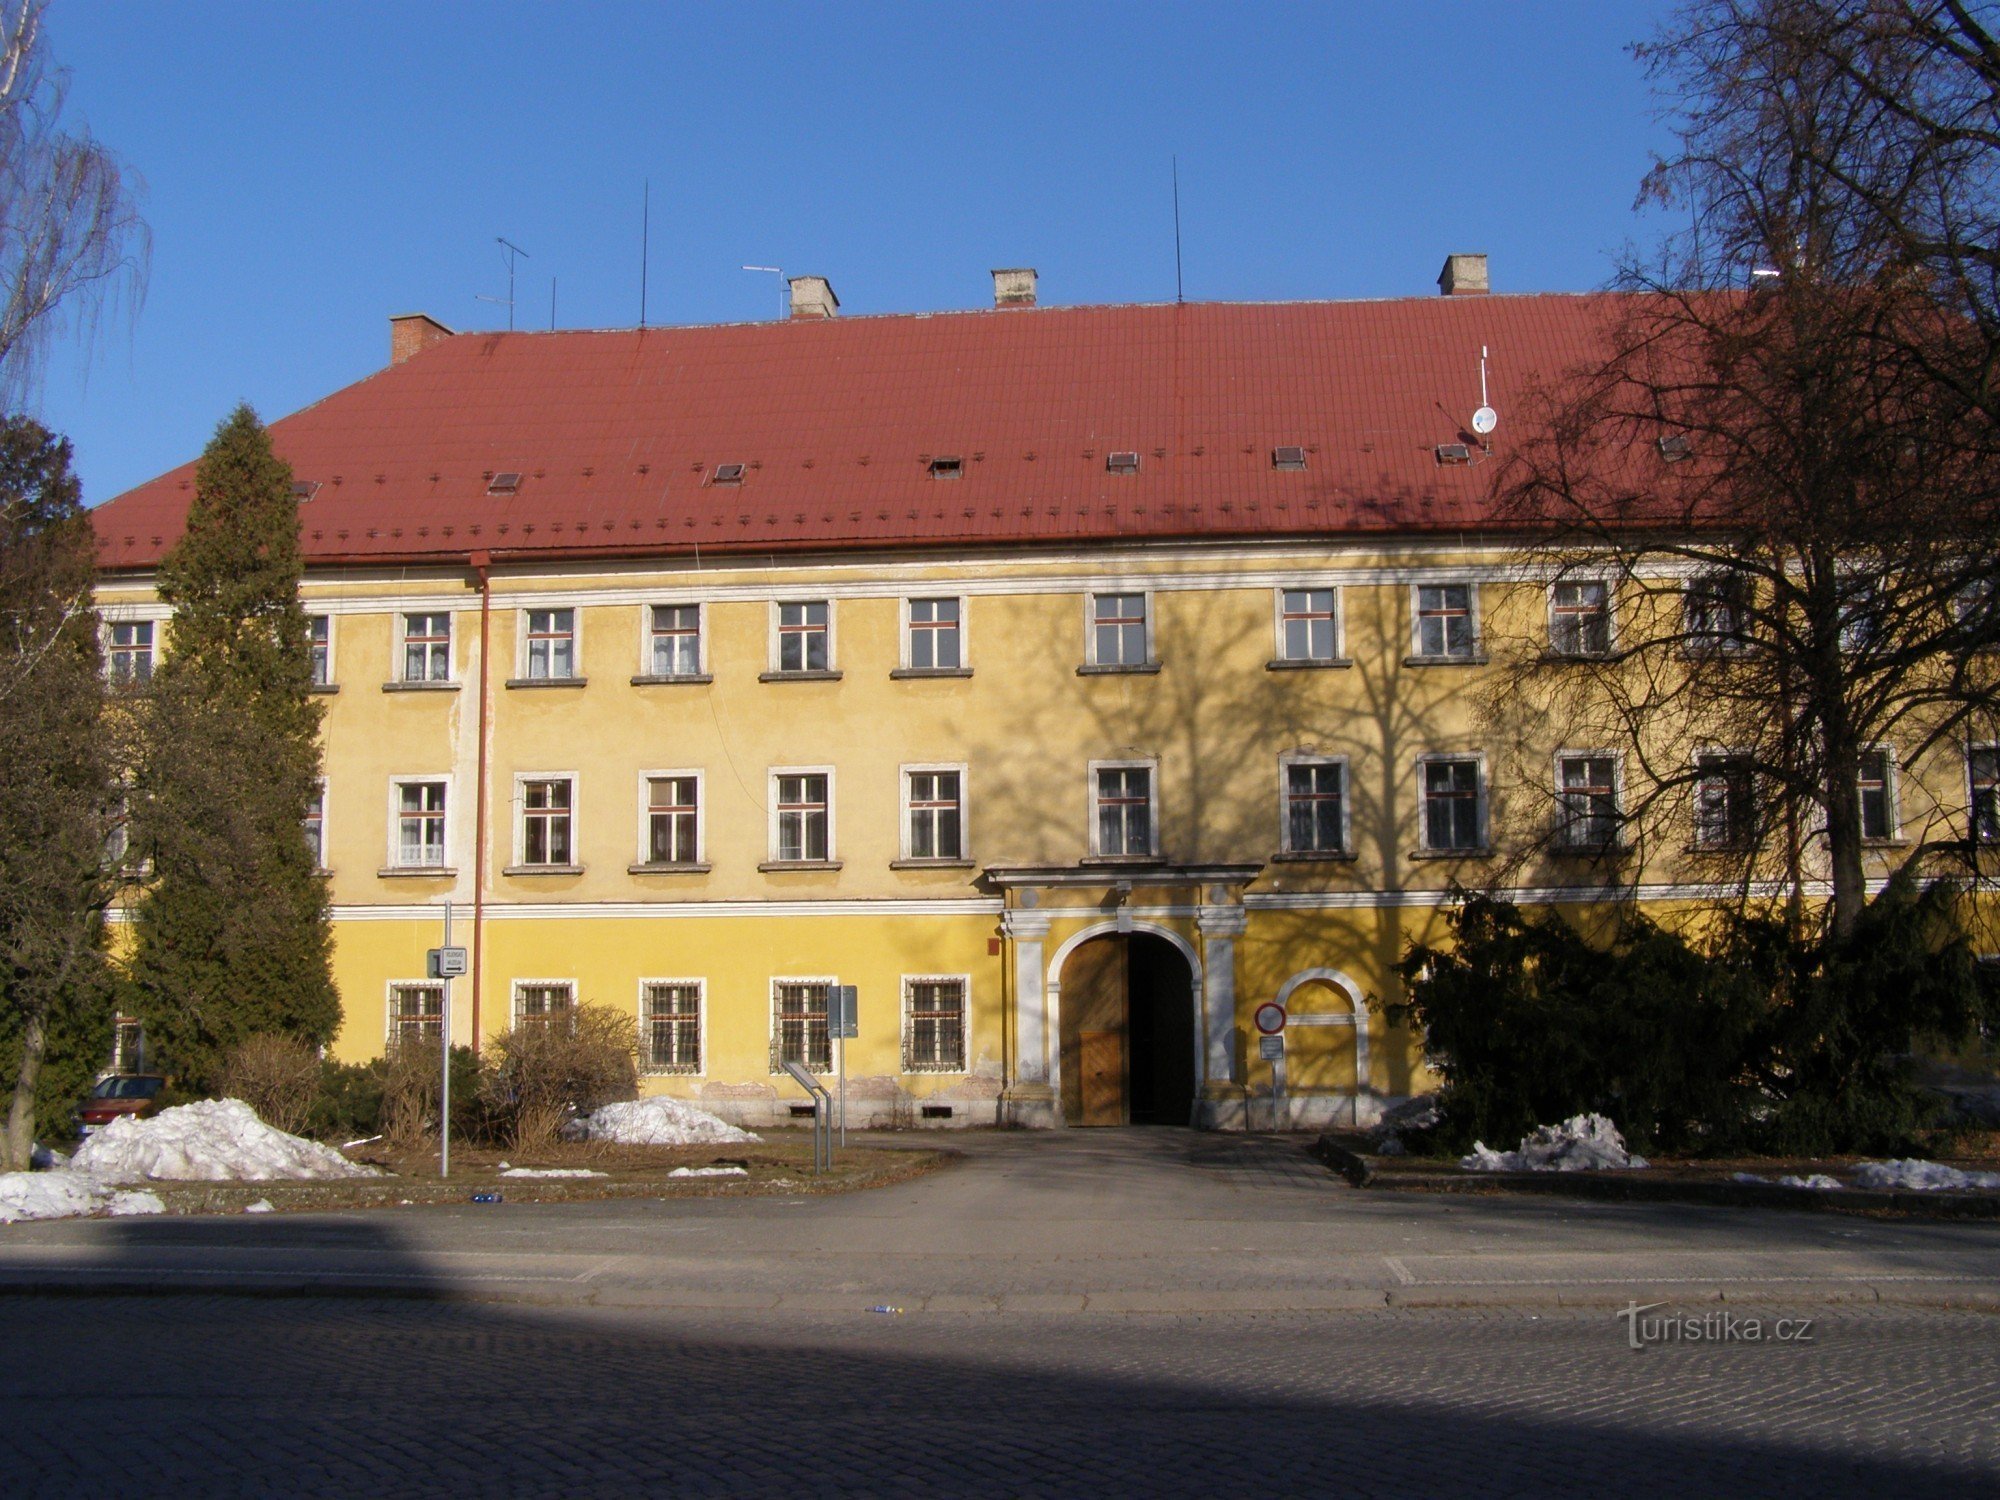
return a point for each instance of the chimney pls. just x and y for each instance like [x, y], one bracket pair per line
[812, 297]
[1464, 276]
[412, 333]
[1014, 288]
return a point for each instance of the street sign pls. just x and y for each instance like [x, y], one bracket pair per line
[445, 963]
[1271, 1048]
[1271, 1018]
[841, 1020]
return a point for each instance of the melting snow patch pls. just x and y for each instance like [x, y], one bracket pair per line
[64, 1195]
[1923, 1176]
[214, 1140]
[1581, 1143]
[551, 1172]
[1817, 1181]
[709, 1172]
[660, 1122]
[261, 1206]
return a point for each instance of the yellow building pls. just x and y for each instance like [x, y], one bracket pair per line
[1071, 681]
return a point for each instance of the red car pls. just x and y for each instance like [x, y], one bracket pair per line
[120, 1094]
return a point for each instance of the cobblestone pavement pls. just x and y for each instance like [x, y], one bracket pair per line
[231, 1396]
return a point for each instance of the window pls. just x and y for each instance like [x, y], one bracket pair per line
[551, 645]
[1725, 800]
[1587, 812]
[674, 640]
[802, 817]
[935, 643]
[1123, 825]
[129, 652]
[1982, 764]
[1976, 607]
[1306, 625]
[803, 637]
[1292, 458]
[416, 1015]
[319, 640]
[1716, 611]
[1118, 630]
[420, 809]
[1580, 618]
[540, 1002]
[799, 1024]
[1875, 785]
[547, 804]
[673, 820]
[1451, 803]
[315, 824]
[427, 648]
[936, 814]
[670, 1026]
[1315, 807]
[934, 1025]
[1445, 628]
[1862, 621]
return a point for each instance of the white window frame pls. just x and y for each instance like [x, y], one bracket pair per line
[1483, 827]
[646, 1068]
[152, 651]
[1723, 752]
[1576, 752]
[1973, 748]
[832, 635]
[1147, 602]
[514, 995]
[827, 980]
[1292, 758]
[389, 989]
[396, 785]
[645, 794]
[401, 660]
[1339, 620]
[1149, 764]
[1476, 646]
[908, 1063]
[906, 638]
[1892, 789]
[325, 796]
[646, 668]
[771, 824]
[1745, 606]
[327, 615]
[520, 809]
[522, 643]
[1610, 617]
[924, 768]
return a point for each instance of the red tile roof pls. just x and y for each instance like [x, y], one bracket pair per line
[616, 434]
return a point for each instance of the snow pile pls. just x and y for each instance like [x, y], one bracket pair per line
[551, 1172]
[1922, 1176]
[261, 1206]
[709, 1172]
[660, 1122]
[1818, 1181]
[214, 1140]
[64, 1195]
[1582, 1143]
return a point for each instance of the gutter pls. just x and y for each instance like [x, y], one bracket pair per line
[481, 564]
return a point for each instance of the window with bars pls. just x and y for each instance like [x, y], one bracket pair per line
[936, 815]
[315, 826]
[1315, 807]
[420, 830]
[1124, 810]
[673, 820]
[1451, 803]
[1445, 627]
[803, 637]
[1580, 618]
[1587, 813]
[1875, 786]
[935, 642]
[319, 641]
[1725, 800]
[670, 1026]
[674, 639]
[933, 1025]
[1306, 625]
[1716, 613]
[128, 654]
[546, 809]
[551, 648]
[416, 1015]
[427, 648]
[544, 1002]
[1982, 769]
[799, 1030]
[802, 822]
[1118, 630]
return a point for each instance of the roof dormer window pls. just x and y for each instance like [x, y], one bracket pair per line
[1674, 447]
[508, 483]
[727, 474]
[947, 466]
[1121, 463]
[1288, 458]
[1454, 453]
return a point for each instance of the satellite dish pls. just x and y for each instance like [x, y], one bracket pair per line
[1485, 420]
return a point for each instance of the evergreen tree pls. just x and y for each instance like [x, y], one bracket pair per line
[232, 933]
[56, 787]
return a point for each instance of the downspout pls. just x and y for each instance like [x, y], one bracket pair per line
[482, 564]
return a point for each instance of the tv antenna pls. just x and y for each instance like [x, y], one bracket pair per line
[1486, 418]
[1177, 229]
[645, 227]
[512, 251]
[783, 289]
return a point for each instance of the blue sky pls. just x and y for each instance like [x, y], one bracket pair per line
[311, 169]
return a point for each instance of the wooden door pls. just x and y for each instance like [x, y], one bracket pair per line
[1102, 1054]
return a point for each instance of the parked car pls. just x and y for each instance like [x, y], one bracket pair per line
[119, 1094]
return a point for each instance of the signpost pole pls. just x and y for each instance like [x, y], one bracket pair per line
[444, 1075]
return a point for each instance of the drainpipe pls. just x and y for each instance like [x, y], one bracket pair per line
[482, 564]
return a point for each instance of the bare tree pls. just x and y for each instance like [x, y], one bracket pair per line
[72, 244]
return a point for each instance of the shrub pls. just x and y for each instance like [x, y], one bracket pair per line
[538, 1074]
[348, 1106]
[278, 1076]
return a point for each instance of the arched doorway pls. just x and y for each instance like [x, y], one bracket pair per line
[1127, 1032]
